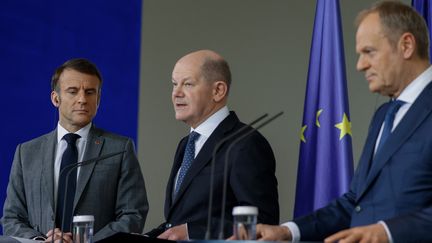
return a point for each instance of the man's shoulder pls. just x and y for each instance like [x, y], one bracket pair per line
[36, 142]
[109, 136]
[243, 129]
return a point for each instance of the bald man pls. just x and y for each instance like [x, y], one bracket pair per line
[201, 82]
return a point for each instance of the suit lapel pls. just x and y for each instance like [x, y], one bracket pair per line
[48, 148]
[93, 148]
[415, 116]
[205, 155]
[369, 148]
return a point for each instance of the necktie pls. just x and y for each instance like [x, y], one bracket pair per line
[70, 156]
[188, 157]
[388, 121]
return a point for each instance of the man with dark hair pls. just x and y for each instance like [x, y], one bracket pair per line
[201, 82]
[112, 190]
[390, 198]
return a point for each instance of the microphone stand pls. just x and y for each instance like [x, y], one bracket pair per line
[213, 162]
[69, 169]
[225, 179]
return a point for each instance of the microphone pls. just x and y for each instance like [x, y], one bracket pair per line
[68, 169]
[213, 162]
[225, 179]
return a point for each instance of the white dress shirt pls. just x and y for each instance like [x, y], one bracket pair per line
[409, 96]
[61, 147]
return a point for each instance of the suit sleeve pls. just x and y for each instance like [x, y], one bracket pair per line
[15, 219]
[415, 225]
[328, 220]
[412, 227]
[252, 177]
[131, 203]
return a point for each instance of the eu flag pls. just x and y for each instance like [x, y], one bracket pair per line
[424, 7]
[325, 162]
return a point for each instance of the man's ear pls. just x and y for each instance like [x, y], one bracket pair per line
[220, 90]
[55, 98]
[98, 99]
[408, 45]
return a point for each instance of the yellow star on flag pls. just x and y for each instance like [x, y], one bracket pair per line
[302, 137]
[317, 116]
[344, 127]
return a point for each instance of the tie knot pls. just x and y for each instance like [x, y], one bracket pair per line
[71, 138]
[394, 106]
[193, 136]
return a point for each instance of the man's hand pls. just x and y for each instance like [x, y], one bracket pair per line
[178, 232]
[273, 232]
[56, 234]
[374, 233]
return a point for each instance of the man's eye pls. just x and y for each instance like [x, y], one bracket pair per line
[368, 51]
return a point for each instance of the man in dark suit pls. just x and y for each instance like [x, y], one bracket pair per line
[201, 81]
[112, 190]
[391, 193]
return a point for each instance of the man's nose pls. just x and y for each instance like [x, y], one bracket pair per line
[362, 64]
[82, 97]
[177, 91]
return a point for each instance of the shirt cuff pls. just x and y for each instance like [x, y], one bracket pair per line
[389, 236]
[187, 233]
[295, 231]
[39, 238]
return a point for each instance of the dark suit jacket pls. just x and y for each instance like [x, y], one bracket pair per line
[112, 190]
[398, 187]
[251, 181]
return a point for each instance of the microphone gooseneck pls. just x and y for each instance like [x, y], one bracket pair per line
[216, 148]
[68, 169]
[225, 174]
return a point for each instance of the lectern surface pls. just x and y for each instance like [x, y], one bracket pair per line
[135, 238]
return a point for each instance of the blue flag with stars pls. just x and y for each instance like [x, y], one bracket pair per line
[424, 7]
[325, 162]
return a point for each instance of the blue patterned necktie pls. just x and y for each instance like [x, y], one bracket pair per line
[188, 157]
[388, 121]
[70, 156]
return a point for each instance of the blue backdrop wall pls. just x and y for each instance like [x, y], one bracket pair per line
[38, 36]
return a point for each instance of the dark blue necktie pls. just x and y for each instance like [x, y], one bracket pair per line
[388, 121]
[70, 156]
[188, 157]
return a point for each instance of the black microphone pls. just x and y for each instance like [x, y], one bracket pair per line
[225, 179]
[216, 148]
[69, 169]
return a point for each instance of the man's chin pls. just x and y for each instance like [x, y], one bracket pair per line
[82, 122]
[180, 116]
[374, 89]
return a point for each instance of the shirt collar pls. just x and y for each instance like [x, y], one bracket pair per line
[83, 132]
[208, 126]
[413, 90]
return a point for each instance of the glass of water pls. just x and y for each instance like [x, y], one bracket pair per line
[83, 229]
[245, 220]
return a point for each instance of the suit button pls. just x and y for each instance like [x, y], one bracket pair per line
[168, 225]
[357, 208]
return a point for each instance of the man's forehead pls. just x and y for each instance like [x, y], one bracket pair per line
[76, 76]
[370, 23]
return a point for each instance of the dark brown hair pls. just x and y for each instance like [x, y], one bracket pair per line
[81, 65]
